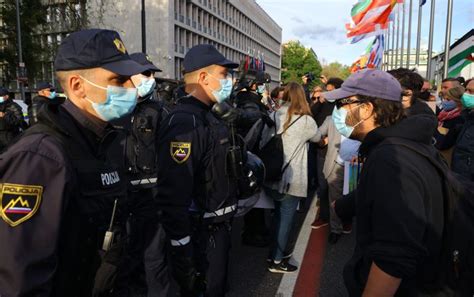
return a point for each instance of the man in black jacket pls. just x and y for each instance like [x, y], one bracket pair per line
[399, 199]
[11, 119]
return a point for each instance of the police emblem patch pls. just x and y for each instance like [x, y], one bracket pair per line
[18, 203]
[120, 46]
[180, 151]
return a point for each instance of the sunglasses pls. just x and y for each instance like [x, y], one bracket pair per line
[345, 101]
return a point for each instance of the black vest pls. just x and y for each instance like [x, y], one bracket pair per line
[215, 190]
[98, 183]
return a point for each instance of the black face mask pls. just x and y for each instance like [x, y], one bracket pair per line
[425, 95]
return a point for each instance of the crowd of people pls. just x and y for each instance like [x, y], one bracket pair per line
[116, 192]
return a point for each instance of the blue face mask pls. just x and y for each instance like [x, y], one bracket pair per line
[52, 95]
[2, 99]
[146, 86]
[119, 102]
[467, 100]
[449, 105]
[339, 118]
[261, 89]
[224, 92]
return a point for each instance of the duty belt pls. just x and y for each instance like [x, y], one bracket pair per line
[145, 181]
[220, 212]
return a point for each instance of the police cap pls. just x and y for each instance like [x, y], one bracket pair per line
[145, 60]
[204, 55]
[94, 48]
[44, 85]
[3, 91]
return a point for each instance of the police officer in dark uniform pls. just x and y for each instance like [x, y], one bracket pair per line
[62, 199]
[138, 142]
[46, 95]
[196, 193]
[11, 119]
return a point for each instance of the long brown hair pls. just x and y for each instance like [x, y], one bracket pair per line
[294, 93]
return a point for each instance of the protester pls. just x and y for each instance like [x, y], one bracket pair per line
[297, 126]
[412, 84]
[397, 245]
[340, 149]
[450, 121]
[321, 109]
[463, 153]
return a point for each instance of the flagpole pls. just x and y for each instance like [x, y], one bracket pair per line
[430, 40]
[409, 33]
[403, 34]
[393, 45]
[388, 48]
[447, 41]
[398, 36]
[418, 35]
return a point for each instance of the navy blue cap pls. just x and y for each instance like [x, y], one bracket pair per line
[4, 91]
[204, 55]
[44, 85]
[145, 60]
[93, 48]
[368, 82]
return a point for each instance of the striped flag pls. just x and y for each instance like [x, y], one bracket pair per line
[373, 20]
[363, 7]
[376, 52]
[460, 60]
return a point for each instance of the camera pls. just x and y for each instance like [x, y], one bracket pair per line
[309, 76]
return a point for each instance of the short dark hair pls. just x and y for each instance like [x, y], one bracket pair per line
[461, 80]
[450, 79]
[387, 112]
[410, 80]
[335, 81]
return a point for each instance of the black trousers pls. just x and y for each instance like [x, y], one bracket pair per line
[212, 243]
[147, 247]
[323, 188]
[254, 223]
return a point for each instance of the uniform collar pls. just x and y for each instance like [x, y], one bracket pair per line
[188, 99]
[98, 127]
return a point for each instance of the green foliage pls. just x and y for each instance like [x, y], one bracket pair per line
[336, 69]
[32, 15]
[298, 60]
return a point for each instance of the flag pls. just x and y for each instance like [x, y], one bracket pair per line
[376, 52]
[361, 8]
[376, 19]
[459, 61]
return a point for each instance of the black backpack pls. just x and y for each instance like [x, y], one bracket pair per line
[457, 256]
[272, 156]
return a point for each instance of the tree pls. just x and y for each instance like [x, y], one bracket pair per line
[32, 15]
[336, 69]
[298, 60]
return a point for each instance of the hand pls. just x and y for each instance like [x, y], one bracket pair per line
[2, 114]
[323, 79]
[333, 205]
[324, 142]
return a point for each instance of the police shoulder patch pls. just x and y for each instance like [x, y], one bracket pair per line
[18, 203]
[180, 151]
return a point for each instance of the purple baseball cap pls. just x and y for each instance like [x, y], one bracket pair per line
[368, 82]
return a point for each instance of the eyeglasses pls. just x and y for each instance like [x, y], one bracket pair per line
[345, 101]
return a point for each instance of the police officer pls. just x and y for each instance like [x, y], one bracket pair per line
[46, 95]
[139, 145]
[11, 119]
[62, 227]
[195, 191]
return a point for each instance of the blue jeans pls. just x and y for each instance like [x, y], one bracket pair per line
[285, 210]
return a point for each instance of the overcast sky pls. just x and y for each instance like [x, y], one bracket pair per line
[320, 24]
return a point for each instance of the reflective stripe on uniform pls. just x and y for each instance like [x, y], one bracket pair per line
[144, 181]
[220, 212]
[181, 242]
